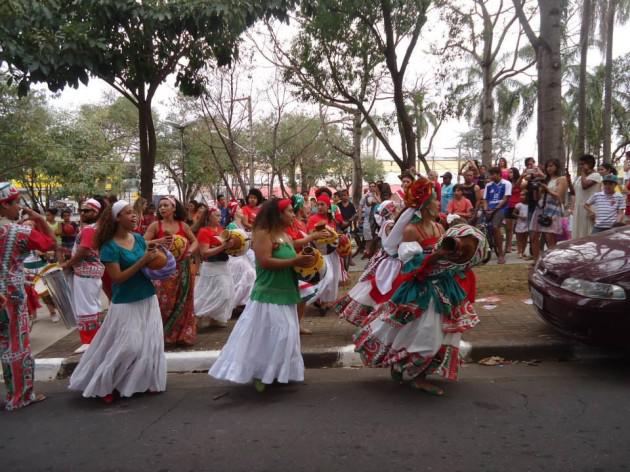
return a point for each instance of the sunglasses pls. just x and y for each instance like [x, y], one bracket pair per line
[85, 210]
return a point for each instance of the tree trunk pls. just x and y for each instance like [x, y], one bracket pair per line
[487, 120]
[550, 138]
[584, 42]
[357, 171]
[608, 71]
[147, 148]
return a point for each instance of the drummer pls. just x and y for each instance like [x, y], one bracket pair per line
[87, 273]
[18, 366]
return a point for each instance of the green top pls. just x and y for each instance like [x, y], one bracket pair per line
[137, 287]
[278, 286]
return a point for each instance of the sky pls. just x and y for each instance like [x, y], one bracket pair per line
[422, 66]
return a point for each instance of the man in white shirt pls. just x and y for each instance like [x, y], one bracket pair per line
[587, 183]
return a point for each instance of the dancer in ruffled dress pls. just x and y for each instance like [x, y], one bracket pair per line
[213, 289]
[265, 343]
[127, 354]
[418, 331]
[301, 238]
[176, 293]
[375, 284]
[240, 267]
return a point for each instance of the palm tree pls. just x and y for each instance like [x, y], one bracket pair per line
[611, 12]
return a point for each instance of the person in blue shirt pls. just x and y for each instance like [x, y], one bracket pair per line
[127, 354]
[223, 209]
[496, 194]
[447, 191]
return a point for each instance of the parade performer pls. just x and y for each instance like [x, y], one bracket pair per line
[87, 271]
[265, 343]
[127, 354]
[418, 331]
[250, 211]
[301, 238]
[213, 287]
[16, 241]
[329, 286]
[375, 284]
[176, 293]
[241, 267]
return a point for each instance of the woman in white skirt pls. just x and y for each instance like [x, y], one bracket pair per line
[265, 343]
[329, 286]
[127, 354]
[213, 289]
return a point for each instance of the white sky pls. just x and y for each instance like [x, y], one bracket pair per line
[422, 66]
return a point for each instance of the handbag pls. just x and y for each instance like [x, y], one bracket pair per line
[544, 220]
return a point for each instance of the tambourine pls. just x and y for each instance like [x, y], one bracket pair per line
[241, 244]
[316, 271]
[329, 244]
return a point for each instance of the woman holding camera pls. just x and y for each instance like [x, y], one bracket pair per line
[547, 215]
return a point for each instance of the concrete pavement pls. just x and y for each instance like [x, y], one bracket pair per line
[567, 416]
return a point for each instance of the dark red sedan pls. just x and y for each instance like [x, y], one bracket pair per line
[582, 287]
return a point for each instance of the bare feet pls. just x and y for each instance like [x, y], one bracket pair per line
[305, 330]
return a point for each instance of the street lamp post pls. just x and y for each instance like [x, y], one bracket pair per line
[248, 99]
[181, 127]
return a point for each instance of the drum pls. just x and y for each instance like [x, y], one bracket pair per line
[38, 282]
[179, 247]
[60, 293]
[327, 245]
[316, 271]
[242, 241]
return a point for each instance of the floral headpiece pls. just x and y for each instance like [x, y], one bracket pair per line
[297, 201]
[419, 193]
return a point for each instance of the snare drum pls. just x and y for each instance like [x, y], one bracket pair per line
[60, 293]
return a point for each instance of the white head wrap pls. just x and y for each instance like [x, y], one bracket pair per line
[117, 207]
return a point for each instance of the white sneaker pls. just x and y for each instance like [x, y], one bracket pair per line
[55, 318]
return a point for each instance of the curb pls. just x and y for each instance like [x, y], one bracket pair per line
[344, 356]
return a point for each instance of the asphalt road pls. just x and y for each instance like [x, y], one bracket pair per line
[552, 417]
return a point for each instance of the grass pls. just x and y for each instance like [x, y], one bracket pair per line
[492, 279]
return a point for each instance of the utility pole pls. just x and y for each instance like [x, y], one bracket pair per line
[248, 99]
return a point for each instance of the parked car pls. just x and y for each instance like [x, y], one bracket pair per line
[582, 287]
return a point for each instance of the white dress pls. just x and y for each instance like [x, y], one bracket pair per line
[582, 223]
[127, 353]
[214, 292]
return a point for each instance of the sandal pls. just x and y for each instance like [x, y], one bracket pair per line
[259, 385]
[427, 388]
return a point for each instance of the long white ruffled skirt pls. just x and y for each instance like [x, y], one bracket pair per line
[243, 278]
[213, 292]
[265, 345]
[127, 353]
[328, 287]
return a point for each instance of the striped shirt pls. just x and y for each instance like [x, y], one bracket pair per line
[606, 208]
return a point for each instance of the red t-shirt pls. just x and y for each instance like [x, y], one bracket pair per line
[315, 219]
[209, 236]
[250, 213]
[86, 239]
[515, 197]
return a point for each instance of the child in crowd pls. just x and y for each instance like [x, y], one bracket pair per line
[522, 228]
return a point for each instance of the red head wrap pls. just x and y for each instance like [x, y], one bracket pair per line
[283, 204]
[324, 198]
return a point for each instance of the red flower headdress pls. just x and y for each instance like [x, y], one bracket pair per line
[419, 193]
